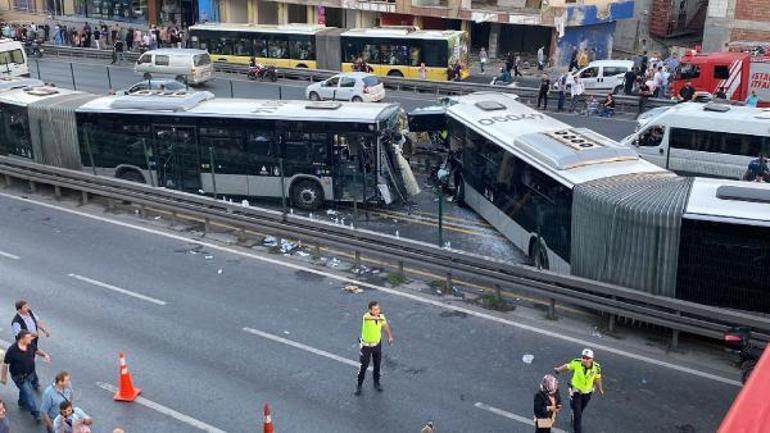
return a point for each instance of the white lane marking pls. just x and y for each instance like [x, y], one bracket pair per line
[478, 314]
[301, 346]
[117, 289]
[512, 416]
[167, 411]
[9, 256]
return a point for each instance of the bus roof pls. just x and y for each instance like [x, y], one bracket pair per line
[299, 29]
[330, 111]
[401, 33]
[571, 155]
[28, 95]
[717, 117]
[729, 200]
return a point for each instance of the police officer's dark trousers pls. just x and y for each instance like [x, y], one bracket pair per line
[375, 353]
[578, 402]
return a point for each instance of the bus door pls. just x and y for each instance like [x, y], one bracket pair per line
[178, 159]
[354, 161]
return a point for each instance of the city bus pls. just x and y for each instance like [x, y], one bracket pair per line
[400, 51]
[390, 51]
[308, 152]
[578, 202]
[283, 46]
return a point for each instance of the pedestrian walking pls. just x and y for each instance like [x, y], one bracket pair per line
[542, 95]
[57, 393]
[370, 344]
[541, 58]
[720, 94]
[561, 87]
[98, 38]
[118, 55]
[547, 404]
[5, 423]
[517, 67]
[586, 374]
[483, 58]
[26, 320]
[20, 360]
[576, 92]
[629, 78]
[509, 62]
[644, 94]
[72, 420]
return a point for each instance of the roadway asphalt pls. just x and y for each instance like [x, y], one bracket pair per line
[179, 309]
[91, 76]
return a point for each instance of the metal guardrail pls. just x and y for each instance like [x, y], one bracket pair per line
[614, 301]
[623, 103]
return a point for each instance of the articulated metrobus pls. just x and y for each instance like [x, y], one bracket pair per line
[578, 202]
[390, 51]
[309, 152]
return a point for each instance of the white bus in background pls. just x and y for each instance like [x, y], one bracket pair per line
[714, 140]
[13, 59]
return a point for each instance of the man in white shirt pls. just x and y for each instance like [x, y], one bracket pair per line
[70, 418]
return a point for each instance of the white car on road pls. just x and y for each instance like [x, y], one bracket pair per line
[349, 86]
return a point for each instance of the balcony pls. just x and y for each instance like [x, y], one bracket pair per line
[430, 3]
[516, 6]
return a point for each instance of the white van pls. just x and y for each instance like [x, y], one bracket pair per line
[605, 75]
[713, 139]
[13, 59]
[193, 65]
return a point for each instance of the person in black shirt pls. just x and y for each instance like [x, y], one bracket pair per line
[542, 96]
[644, 94]
[628, 81]
[687, 92]
[20, 360]
[720, 94]
[547, 404]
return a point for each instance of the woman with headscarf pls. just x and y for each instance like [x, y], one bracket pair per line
[547, 404]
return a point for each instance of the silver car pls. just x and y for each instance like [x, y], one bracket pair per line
[349, 86]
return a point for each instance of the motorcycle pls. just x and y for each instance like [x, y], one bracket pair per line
[35, 47]
[738, 341]
[262, 72]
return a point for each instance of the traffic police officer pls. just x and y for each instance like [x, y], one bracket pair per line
[372, 325]
[585, 374]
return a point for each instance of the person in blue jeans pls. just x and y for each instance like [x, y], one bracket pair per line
[20, 360]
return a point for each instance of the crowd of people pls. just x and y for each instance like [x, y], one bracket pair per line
[100, 36]
[57, 410]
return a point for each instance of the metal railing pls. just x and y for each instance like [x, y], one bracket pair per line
[623, 103]
[613, 301]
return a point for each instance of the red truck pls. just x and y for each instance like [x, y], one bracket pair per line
[738, 73]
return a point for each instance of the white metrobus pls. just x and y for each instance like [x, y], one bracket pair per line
[714, 140]
[580, 203]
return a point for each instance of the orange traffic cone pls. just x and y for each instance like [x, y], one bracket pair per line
[126, 390]
[268, 425]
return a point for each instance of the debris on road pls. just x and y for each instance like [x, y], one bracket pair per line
[352, 288]
[220, 271]
[528, 358]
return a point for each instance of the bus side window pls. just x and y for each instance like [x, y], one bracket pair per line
[652, 136]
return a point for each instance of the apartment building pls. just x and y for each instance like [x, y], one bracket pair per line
[736, 20]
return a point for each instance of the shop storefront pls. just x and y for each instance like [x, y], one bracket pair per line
[113, 10]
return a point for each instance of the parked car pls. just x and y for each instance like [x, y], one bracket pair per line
[156, 84]
[349, 86]
[194, 66]
[605, 75]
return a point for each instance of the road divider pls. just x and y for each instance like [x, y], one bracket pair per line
[157, 407]
[117, 289]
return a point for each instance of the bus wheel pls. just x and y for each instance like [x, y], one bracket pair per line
[314, 96]
[395, 74]
[538, 255]
[307, 195]
[131, 176]
[301, 66]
